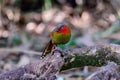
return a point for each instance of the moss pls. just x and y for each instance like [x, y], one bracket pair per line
[84, 60]
[108, 55]
[114, 58]
[101, 58]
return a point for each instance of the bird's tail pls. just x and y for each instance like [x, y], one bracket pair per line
[50, 46]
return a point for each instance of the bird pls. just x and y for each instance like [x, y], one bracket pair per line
[60, 35]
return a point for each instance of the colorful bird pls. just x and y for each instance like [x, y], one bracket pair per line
[60, 35]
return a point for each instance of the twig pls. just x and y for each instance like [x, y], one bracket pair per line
[16, 50]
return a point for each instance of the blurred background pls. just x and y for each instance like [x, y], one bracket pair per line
[25, 26]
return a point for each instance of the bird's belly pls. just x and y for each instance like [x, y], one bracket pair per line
[61, 38]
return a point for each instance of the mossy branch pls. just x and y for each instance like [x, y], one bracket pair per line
[98, 55]
[47, 68]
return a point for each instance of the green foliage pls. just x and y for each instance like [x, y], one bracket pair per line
[16, 40]
[114, 41]
[1, 1]
[47, 4]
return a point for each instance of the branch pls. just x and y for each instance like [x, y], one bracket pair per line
[98, 55]
[47, 68]
[116, 5]
[108, 72]
[44, 69]
[16, 50]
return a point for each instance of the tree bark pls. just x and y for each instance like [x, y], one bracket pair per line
[44, 69]
[109, 72]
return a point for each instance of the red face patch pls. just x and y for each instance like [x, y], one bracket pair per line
[63, 30]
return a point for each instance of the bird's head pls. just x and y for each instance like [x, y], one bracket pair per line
[63, 28]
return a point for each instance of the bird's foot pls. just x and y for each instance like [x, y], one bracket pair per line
[42, 56]
[58, 50]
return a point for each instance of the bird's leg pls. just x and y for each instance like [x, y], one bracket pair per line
[59, 50]
[42, 56]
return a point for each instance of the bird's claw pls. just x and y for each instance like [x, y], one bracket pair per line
[58, 50]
